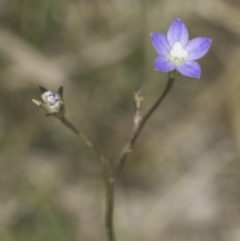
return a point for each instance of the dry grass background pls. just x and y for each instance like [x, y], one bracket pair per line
[182, 181]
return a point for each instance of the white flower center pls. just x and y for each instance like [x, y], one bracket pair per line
[177, 53]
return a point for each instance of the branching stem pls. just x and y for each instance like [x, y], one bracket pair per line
[120, 161]
[113, 172]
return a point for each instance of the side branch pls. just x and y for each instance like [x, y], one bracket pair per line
[120, 161]
[86, 140]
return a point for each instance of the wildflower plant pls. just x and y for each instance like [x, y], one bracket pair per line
[176, 55]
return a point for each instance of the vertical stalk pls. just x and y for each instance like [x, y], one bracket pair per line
[110, 185]
[120, 161]
[113, 171]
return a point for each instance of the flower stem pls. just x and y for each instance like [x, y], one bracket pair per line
[86, 140]
[120, 161]
[114, 172]
[110, 185]
[109, 180]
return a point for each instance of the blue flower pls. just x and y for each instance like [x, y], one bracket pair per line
[177, 52]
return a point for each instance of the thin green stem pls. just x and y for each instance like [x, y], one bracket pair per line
[114, 172]
[120, 161]
[86, 140]
[110, 185]
[108, 177]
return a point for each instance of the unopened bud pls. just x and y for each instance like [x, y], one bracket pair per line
[52, 102]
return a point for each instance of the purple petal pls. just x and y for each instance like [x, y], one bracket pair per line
[177, 32]
[198, 47]
[190, 69]
[160, 43]
[164, 65]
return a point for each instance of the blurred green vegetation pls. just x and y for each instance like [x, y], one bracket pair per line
[180, 183]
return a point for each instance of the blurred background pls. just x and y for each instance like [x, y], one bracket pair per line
[181, 183]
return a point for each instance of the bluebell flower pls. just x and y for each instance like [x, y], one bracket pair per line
[177, 52]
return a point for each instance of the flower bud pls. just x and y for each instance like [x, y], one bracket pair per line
[52, 102]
